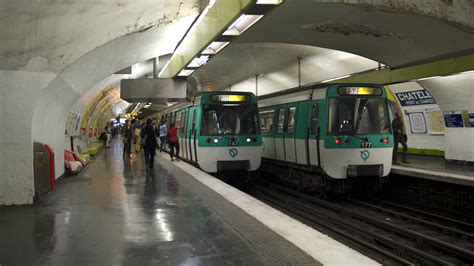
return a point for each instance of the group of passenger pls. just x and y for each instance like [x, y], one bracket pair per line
[146, 136]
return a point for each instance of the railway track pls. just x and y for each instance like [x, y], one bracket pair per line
[388, 233]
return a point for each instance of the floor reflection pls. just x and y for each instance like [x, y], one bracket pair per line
[116, 212]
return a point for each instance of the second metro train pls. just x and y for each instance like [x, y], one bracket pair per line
[218, 131]
[323, 137]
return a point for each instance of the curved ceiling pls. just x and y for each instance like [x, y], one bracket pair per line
[244, 60]
[393, 37]
[50, 35]
[394, 33]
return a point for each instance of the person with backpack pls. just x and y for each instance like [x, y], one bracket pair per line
[148, 138]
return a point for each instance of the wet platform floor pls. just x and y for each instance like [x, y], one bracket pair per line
[116, 213]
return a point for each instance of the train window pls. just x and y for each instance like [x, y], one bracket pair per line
[291, 120]
[358, 116]
[229, 120]
[281, 120]
[266, 121]
[178, 120]
[314, 118]
[193, 132]
[185, 122]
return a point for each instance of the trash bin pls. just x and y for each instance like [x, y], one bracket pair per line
[41, 170]
[52, 175]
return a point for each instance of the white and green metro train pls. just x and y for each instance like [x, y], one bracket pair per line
[218, 131]
[326, 136]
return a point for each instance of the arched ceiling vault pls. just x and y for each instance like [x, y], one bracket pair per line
[395, 33]
[50, 35]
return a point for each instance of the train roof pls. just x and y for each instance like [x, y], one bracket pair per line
[306, 92]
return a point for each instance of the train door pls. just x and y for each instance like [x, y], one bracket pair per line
[267, 122]
[314, 135]
[179, 125]
[280, 134]
[184, 131]
[290, 130]
[193, 136]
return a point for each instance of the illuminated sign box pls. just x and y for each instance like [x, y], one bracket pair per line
[359, 91]
[229, 98]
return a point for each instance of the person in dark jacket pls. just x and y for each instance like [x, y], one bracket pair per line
[149, 143]
[399, 136]
[127, 140]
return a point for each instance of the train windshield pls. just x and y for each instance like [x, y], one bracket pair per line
[239, 119]
[358, 116]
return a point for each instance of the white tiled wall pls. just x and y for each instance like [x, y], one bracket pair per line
[419, 141]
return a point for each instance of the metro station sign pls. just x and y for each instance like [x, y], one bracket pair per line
[418, 97]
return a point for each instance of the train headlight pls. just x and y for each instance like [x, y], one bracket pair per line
[249, 140]
[337, 141]
[386, 140]
[216, 140]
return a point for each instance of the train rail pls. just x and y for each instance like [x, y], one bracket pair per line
[383, 232]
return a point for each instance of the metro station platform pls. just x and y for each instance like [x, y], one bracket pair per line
[436, 168]
[115, 212]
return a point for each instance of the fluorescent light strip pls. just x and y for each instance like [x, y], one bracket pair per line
[242, 24]
[269, 2]
[429, 78]
[215, 47]
[185, 72]
[329, 80]
[199, 61]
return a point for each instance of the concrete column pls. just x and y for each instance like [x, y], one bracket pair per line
[18, 95]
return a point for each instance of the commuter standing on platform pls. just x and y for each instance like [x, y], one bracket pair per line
[136, 136]
[399, 136]
[163, 134]
[127, 139]
[148, 136]
[173, 141]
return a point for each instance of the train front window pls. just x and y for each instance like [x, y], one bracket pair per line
[358, 116]
[221, 119]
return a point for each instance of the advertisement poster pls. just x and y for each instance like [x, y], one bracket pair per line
[436, 121]
[417, 123]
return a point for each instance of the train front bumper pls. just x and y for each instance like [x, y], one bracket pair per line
[214, 159]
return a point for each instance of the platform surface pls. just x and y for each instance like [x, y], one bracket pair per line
[436, 168]
[117, 213]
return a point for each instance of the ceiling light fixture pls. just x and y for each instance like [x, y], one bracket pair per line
[184, 62]
[333, 79]
[269, 2]
[199, 61]
[242, 24]
[185, 72]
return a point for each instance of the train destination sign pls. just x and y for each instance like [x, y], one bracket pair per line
[230, 98]
[418, 97]
[359, 91]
